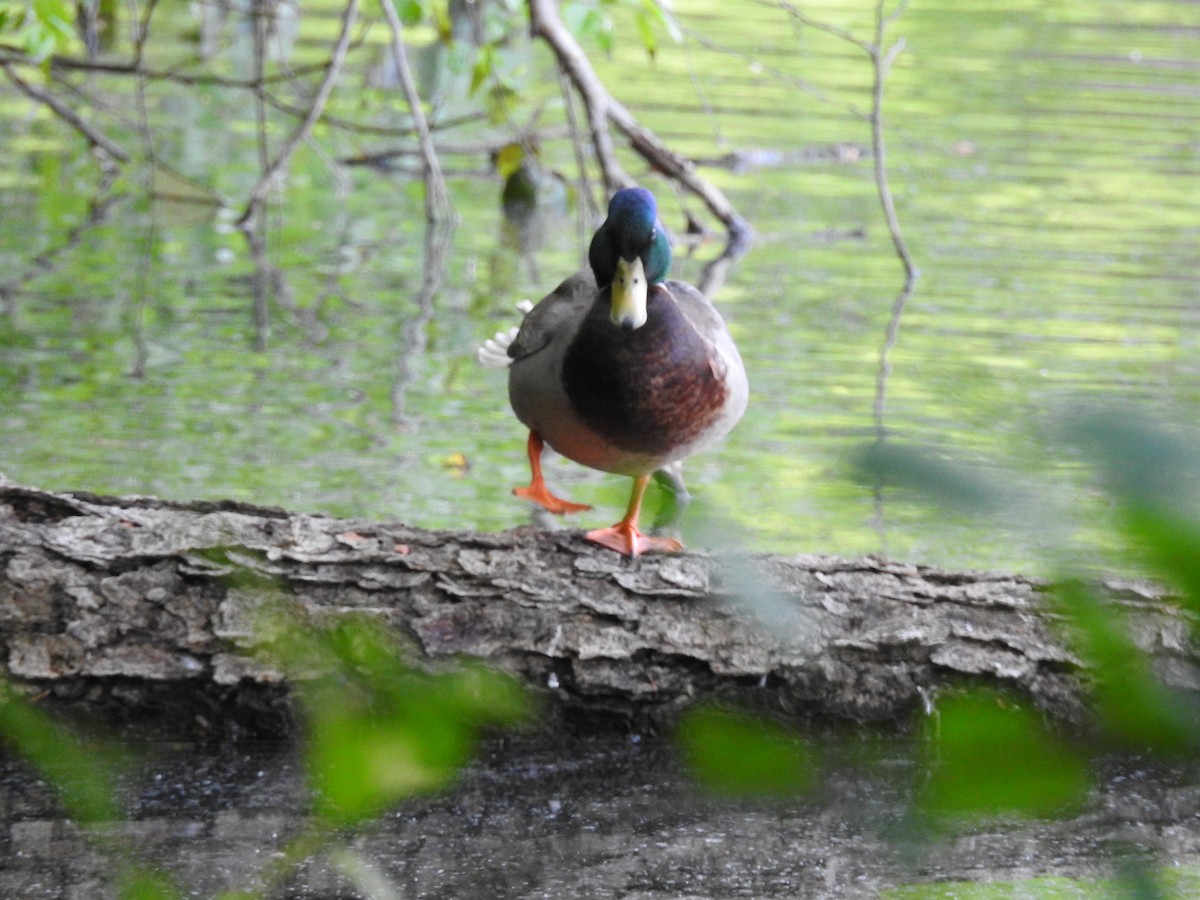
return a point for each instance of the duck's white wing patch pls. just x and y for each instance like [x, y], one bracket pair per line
[493, 353]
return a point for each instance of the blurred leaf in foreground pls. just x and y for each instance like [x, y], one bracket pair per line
[380, 730]
[82, 775]
[992, 757]
[143, 884]
[922, 469]
[1154, 476]
[1135, 707]
[735, 753]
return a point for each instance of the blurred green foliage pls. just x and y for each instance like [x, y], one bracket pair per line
[38, 27]
[990, 756]
[1182, 882]
[378, 730]
[985, 754]
[736, 753]
[143, 884]
[82, 774]
[1151, 476]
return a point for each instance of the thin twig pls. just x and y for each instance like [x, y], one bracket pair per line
[881, 62]
[335, 121]
[480, 148]
[255, 230]
[140, 24]
[775, 72]
[817, 24]
[142, 33]
[108, 67]
[337, 58]
[54, 257]
[103, 103]
[438, 240]
[586, 207]
[602, 108]
[437, 201]
[94, 137]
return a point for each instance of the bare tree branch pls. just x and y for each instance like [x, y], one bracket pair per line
[816, 24]
[438, 239]
[774, 71]
[586, 208]
[52, 258]
[64, 112]
[881, 61]
[259, 194]
[437, 201]
[602, 108]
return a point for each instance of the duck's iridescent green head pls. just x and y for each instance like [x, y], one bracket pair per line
[631, 253]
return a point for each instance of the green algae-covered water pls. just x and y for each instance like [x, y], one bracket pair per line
[1044, 161]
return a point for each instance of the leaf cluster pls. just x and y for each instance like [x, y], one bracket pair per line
[38, 27]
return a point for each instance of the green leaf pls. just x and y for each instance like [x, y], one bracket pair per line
[499, 103]
[645, 27]
[143, 884]
[411, 12]
[378, 730]
[598, 26]
[1141, 461]
[1136, 709]
[1171, 542]
[1155, 477]
[657, 11]
[735, 753]
[82, 775]
[922, 469]
[440, 12]
[484, 68]
[992, 757]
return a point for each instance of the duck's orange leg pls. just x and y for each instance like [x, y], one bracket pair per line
[624, 537]
[537, 490]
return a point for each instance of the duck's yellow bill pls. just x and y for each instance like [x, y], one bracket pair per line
[629, 294]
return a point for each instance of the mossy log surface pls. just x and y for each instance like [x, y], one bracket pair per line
[144, 609]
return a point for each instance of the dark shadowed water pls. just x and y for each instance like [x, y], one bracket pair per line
[598, 818]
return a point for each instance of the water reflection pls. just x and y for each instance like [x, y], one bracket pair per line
[1043, 165]
[602, 817]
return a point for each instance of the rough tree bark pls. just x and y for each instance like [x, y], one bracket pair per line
[147, 608]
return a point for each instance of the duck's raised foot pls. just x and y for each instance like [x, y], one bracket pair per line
[627, 539]
[540, 494]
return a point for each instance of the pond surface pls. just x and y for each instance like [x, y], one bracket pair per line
[600, 818]
[1044, 161]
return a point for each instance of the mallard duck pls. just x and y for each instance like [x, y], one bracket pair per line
[622, 370]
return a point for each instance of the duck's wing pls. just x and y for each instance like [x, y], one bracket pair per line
[557, 314]
[697, 309]
[704, 318]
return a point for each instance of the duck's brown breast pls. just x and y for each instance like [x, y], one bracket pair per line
[649, 390]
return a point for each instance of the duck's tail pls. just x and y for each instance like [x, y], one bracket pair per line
[494, 352]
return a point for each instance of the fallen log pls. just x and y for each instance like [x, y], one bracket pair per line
[146, 609]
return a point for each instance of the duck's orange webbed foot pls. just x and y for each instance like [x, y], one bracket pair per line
[540, 494]
[627, 539]
[537, 490]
